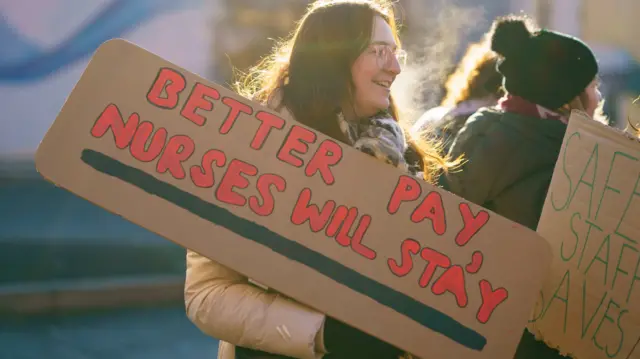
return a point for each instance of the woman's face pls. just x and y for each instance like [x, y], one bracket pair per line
[592, 97]
[374, 71]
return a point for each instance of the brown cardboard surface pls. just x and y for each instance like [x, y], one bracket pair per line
[589, 305]
[420, 268]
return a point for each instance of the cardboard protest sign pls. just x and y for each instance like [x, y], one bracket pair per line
[293, 209]
[589, 306]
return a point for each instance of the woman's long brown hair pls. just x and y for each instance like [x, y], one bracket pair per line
[311, 70]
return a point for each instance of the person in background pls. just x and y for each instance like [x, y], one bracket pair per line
[334, 75]
[511, 150]
[475, 83]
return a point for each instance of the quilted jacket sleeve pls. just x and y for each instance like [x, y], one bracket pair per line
[483, 150]
[223, 304]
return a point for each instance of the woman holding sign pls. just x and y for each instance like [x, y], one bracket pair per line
[334, 75]
[512, 149]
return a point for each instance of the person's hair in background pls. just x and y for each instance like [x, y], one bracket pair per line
[473, 84]
[311, 72]
[475, 77]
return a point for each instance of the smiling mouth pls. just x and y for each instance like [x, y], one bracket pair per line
[385, 84]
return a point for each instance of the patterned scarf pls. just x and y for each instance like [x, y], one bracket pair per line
[516, 104]
[379, 136]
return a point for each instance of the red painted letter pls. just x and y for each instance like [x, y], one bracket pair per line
[345, 227]
[298, 140]
[432, 208]
[407, 189]
[304, 211]
[178, 149]
[490, 300]
[234, 178]
[235, 107]
[202, 176]
[339, 215]
[198, 100]
[111, 118]
[268, 121]
[328, 154]
[170, 82]
[434, 260]
[409, 246]
[452, 280]
[472, 224]
[356, 240]
[141, 138]
[264, 189]
[476, 262]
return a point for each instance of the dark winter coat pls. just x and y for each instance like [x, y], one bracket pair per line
[510, 162]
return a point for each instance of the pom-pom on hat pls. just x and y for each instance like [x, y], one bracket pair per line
[545, 67]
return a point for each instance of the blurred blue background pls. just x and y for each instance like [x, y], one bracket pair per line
[75, 280]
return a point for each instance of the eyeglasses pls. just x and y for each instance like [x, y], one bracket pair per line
[383, 54]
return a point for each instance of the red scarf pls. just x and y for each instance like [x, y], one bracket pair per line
[516, 104]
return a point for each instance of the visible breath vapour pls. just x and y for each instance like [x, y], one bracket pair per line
[432, 48]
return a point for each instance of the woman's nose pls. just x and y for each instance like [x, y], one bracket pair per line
[393, 66]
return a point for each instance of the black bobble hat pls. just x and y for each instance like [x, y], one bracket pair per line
[545, 67]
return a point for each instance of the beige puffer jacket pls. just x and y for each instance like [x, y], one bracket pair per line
[226, 305]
